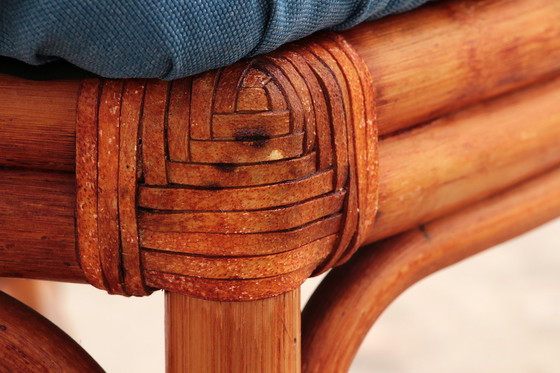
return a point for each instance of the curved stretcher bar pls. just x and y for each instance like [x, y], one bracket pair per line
[31, 343]
[351, 297]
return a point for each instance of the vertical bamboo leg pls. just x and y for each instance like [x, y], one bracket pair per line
[259, 336]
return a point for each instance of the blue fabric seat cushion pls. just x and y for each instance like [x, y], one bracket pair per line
[169, 39]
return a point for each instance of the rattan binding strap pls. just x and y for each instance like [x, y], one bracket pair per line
[235, 184]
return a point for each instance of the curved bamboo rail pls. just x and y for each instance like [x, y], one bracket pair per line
[30, 343]
[351, 298]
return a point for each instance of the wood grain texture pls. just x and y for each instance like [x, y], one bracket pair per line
[267, 133]
[451, 54]
[425, 173]
[38, 123]
[257, 336]
[224, 174]
[425, 63]
[153, 133]
[37, 234]
[178, 120]
[351, 298]
[108, 138]
[239, 183]
[271, 195]
[462, 158]
[128, 171]
[30, 343]
[231, 175]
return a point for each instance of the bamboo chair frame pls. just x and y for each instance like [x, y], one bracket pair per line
[424, 137]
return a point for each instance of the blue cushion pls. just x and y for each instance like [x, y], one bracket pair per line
[169, 39]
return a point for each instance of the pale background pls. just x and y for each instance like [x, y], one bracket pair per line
[496, 312]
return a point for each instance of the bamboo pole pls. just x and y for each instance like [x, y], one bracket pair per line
[424, 174]
[37, 232]
[30, 343]
[451, 54]
[259, 336]
[425, 63]
[38, 123]
[351, 298]
[465, 157]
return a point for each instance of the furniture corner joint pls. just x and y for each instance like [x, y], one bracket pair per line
[236, 184]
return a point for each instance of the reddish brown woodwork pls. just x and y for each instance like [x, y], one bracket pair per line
[29, 343]
[210, 336]
[38, 123]
[425, 173]
[213, 186]
[37, 233]
[351, 298]
[245, 153]
[464, 157]
[451, 54]
[86, 163]
[425, 64]
[193, 238]
[239, 183]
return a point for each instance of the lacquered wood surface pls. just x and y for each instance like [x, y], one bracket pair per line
[351, 298]
[424, 173]
[29, 343]
[37, 225]
[466, 156]
[38, 123]
[451, 54]
[258, 336]
[211, 239]
[239, 183]
[425, 63]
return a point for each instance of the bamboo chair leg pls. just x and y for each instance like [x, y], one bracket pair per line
[259, 336]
